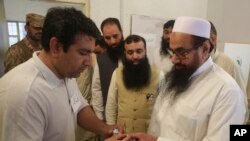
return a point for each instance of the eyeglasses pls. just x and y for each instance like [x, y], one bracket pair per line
[182, 53]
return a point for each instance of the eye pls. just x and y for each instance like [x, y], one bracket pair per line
[183, 53]
[107, 37]
[130, 52]
[180, 51]
[166, 32]
[139, 51]
[83, 53]
[115, 36]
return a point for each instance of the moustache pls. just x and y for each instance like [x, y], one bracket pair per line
[179, 66]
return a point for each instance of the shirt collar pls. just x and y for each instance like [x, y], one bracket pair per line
[205, 66]
[48, 75]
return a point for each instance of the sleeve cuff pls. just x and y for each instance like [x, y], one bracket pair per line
[162, 139]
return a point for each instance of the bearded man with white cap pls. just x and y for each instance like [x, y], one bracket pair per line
[199, 100]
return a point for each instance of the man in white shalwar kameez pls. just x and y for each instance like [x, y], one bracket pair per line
[199, 100]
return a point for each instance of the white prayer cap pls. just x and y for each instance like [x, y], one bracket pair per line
[192, 25]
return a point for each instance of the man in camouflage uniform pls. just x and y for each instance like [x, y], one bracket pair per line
[23, 50]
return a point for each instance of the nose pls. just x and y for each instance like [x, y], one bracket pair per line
[88, 60]
[168, 37]
[135, 56]
[175, 59]
[38, 29]
[112, 41]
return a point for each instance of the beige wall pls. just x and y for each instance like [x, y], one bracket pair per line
[123, 9]
[232, 20]
[17, 9]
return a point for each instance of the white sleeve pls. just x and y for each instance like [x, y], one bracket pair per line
[229, 108]
[154, 127]
[163, 139]
[97, 98]
[112, 102]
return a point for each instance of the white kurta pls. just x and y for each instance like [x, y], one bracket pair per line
[37, 106]
[231, 67]
[203, 112]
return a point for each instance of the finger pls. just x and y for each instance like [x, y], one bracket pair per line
[121, 136]
[121, 129]
[136, 135]
[127, 138]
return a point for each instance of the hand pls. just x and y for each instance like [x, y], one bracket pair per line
[110, 129]
[143, 137]
[120, 137]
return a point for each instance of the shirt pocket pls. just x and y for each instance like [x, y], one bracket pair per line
[188, 122]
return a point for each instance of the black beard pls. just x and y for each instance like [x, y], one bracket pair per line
[136, 76]
[164, 47]
[116, 53]
[178, 80]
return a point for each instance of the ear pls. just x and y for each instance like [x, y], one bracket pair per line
[206, 47]
[206, 50]
[55, 46]
[26, 27]
[213, 39]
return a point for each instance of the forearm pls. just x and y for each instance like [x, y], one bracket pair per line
[88, 120]
[97, 98]
[97, 104]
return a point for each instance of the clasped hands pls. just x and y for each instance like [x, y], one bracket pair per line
[121, 136]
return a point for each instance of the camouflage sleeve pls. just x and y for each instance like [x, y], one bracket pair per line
[12, 58]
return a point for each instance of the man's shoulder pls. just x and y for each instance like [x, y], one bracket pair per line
[20, 77]
[223, 76]
[19, 43]
[224, 57]
[227, 63]
[16, 47]
[119, 68]
[102, 54]
[101, 57]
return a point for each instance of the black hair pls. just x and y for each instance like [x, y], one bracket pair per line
[111, 21]
[168, 24]
[213, 29]
[65, 24]
[135, 39]
[100, 41]
[200, 40]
